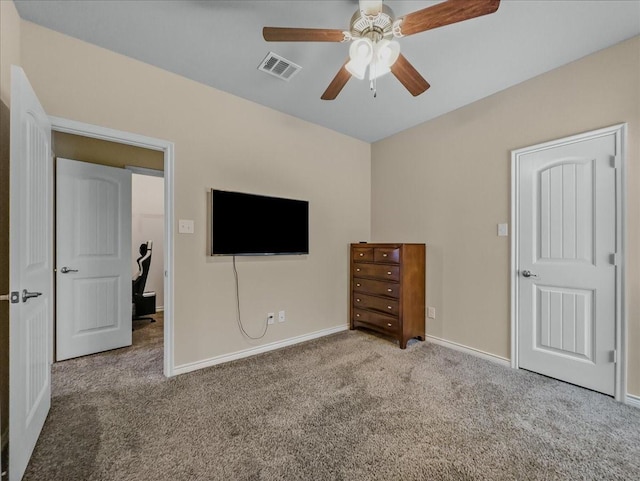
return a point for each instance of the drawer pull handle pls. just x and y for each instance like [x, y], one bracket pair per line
[389, 272]
[357, 315]
[357, 285]
[384, 255]
[357, 300]
[388, 307]
[361, 254]
[357, 270]
[389, 324]
[389, 290]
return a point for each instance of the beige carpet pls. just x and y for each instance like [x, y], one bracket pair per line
[346, 407]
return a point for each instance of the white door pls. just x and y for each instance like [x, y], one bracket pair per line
[567, 276]
[93, 258]
[30, 271]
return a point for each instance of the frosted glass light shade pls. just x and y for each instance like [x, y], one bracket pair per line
[360, 53]
[361, 50]
[387, 52]
[378, 69]
[357, 68]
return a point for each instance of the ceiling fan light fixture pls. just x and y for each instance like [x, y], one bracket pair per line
[377, 70]
[361, 50]
[387, 52]
[356, 68]
[360, 54]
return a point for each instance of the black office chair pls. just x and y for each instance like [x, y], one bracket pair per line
[144, 303]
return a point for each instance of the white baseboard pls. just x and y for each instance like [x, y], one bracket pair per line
[159, 308]
[470, 350]
[252, 351]
[633, 400]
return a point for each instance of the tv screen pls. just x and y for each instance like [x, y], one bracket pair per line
[248, 224]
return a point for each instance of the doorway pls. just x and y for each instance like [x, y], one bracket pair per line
[567, 277]
[147, 247]
[151, 157]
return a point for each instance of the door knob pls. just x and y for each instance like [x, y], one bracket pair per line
[66, 270]
[26, 295]
[527, 273]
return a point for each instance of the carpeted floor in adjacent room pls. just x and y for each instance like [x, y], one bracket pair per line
[351, 406]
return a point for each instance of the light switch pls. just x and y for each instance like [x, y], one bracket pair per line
[503, 230]
[185, 226]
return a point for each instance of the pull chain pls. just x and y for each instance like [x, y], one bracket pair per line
[373, 85]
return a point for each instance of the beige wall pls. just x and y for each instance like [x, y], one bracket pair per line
[225, 142]
[447, 183]
[10, 24]
[9, 54]
[104, 152]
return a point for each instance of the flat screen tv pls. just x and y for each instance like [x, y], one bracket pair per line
[249, 224]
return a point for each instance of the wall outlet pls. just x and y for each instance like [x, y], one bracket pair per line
[281, 316]
[271, 318]
[431, 312]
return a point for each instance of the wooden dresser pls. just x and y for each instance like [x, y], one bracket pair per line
[388, 289]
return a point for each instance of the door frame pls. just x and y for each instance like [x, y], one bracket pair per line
[167, 148]
[620, 133]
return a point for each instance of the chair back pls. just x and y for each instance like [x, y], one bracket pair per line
[144, 261]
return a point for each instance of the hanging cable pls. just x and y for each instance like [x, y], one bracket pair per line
[239, 318]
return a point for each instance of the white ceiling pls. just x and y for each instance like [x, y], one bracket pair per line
[219, 43]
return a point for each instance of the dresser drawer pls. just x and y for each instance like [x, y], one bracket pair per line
[363, 253]
[388, 306]
[386, 254]
[377, 320]
[378, 271]
[369, 286]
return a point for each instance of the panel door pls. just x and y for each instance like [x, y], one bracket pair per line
[93, 250]
[567, 284]
[30, 272]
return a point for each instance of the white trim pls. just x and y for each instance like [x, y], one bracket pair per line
[252, 351]
[144, 171]
[513, 277]
[94, 131]
[503, 361]
[620, 131]
[633, 400]
[105, 133]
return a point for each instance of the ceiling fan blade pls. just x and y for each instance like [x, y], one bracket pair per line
[409, 76]
[284, 34]
[446, 13]
[336, 85]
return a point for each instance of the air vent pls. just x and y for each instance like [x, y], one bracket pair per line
[279, 66]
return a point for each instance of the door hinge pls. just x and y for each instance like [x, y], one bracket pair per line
[613, 259]
[614, 356]
[13, 297]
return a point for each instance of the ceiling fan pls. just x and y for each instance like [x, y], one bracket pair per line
[373, 30]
